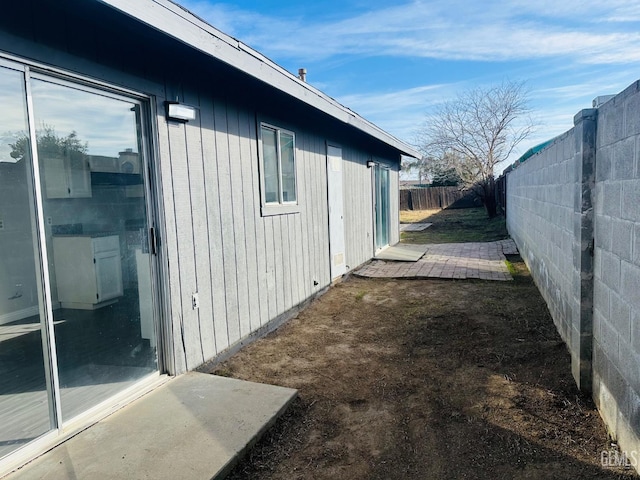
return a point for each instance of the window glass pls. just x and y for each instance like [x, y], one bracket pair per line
[270, 162]
[278, 166]
[96, 226]
[24, 407]
[288, 167]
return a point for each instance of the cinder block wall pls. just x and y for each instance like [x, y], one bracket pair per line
[616, 348]
[586, 261]
[540, 218]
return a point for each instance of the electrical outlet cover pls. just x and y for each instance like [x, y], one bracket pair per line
[195, 301]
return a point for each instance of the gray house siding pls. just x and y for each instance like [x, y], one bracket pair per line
[394, 207]
[358, 203]
[247, 269]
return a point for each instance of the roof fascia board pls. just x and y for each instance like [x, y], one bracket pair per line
[179, 23]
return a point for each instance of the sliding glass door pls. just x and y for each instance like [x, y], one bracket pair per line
[25, 386]
[77, 302]
[381, 196]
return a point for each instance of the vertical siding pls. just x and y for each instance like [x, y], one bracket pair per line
[187, 318]
[305, 194]
[250, 240]
[187, 339]
[270, 272]
[200, 329]
[227, 222]
[358, 207]
[237, 213]
[259, 245]
[171, 246]
[312, 211]
[215, 263]
[322, 205]
[247, 268]
[284, 256]
[279, 285]
[394, 205]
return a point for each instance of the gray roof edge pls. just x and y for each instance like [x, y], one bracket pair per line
[179, 23]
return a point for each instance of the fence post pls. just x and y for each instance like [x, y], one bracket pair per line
[582, 331]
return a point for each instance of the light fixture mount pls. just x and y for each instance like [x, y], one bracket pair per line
[179, 112]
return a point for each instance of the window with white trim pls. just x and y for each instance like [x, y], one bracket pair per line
[278, 166]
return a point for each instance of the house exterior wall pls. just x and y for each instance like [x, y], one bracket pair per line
[394, 217]
[590, 274]
[248, 270]
[358, 208]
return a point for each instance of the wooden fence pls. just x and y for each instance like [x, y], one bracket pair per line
[434, 197]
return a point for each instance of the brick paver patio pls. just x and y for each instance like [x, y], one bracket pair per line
[484, 260]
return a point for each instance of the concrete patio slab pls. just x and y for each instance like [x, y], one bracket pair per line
[482, 260]
[196, 426]
[402, 252]
[414, 227]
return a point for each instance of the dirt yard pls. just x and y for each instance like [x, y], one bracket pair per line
[424, 379]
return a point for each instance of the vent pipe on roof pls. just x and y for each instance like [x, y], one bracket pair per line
[302, 74]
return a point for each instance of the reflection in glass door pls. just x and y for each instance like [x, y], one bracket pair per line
[381, 188]
[76, 292]
[91, 168]
[24, 397]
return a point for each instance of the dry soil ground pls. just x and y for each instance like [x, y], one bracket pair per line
[424, 379]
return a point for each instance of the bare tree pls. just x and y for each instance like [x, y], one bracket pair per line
[480, 128]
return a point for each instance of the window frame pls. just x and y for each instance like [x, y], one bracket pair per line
[280, 207]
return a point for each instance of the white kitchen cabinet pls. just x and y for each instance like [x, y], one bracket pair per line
[67, 177]
[88, 270]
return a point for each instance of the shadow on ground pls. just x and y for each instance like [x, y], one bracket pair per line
[454, 226]
[424, 379]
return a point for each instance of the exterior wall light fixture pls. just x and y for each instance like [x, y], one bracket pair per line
[180, 112]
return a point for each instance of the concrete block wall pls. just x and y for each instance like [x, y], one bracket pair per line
[616, 328]
[540, 218]
[574, 211]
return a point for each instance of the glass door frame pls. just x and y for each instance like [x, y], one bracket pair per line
[376, 176]
[61, 430]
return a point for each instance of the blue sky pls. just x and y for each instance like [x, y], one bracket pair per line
[393, 61]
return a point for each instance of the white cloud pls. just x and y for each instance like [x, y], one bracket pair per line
[590, 45]
[585, 30]
[399, 112]
[398, 100]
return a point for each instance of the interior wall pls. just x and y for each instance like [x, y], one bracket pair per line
[18, 288]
